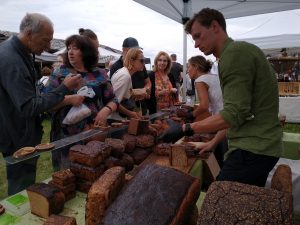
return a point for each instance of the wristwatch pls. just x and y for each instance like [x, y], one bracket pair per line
[188, 131]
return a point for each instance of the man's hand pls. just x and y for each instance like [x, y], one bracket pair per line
[73, 81]
[186, 113]
[206, 149]
[173, 133]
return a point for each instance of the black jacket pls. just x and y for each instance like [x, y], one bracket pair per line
[21, 105]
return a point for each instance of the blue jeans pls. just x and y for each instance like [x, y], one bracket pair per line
[246, 167]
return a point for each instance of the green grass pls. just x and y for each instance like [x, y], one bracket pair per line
[292, 128]
[44, 166]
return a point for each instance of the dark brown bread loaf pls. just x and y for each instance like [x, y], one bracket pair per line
[129, 141]
[86, 172]
[139, 155]
[101, 146]
[63, 177]
[155, 195]
[112, 162]
[145, 141]
[60, 220]
[45, 199]
[236, 203]
[90, 155]
[70, 195]
[65, 189]
[102, 193]
[83, 185]
[117, 147]
[162, 149]
[127, 162]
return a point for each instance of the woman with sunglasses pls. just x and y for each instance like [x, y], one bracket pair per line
[122, 85]
[162, 91]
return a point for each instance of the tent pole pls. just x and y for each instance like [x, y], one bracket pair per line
[187, 13]
[184, 65]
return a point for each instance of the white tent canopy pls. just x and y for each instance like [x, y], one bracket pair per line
[177, 9]
[272, 45]
[182, 10]
[106, 53]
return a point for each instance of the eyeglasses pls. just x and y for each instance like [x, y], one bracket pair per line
[162, 60]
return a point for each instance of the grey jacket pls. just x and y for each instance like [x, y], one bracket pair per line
[21, 105]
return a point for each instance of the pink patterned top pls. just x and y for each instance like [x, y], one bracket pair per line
[167, 100]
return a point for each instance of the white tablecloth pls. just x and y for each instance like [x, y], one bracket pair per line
[290, 106]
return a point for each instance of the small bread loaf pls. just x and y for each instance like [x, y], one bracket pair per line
[60, 220]
[45, 199]
[162, 149]
[90, 155]
[129, 142]
[117, 147]
[66, 189]
[86, 172]
[145, 141]
[282, 179]
[63, 177]
[102, 193]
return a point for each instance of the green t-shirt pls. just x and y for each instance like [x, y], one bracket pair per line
[251, 99]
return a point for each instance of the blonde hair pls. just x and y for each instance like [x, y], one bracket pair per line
[131, 55]
[169, 65]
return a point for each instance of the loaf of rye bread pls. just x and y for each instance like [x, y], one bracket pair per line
[101, 146]
[60, 220]
[83, 185]
[126, 161]
[282, 179]
[86, 172]
[63, 177]
[145, 141]
[66, 188]
[117, 147]
[102, 193]
[155, 195]
[90, 155]
[45, 199]
[229, 202]
[162, 149]
[70, 195]
[139, 155]
[129, 142]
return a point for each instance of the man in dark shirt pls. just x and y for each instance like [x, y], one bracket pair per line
[139, 79]
[176, 73]
[21, 103]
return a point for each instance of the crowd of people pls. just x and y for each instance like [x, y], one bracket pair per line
[239, 105]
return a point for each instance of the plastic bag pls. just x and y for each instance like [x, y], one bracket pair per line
[76, 114]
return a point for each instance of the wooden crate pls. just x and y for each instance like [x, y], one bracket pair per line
[289, 88]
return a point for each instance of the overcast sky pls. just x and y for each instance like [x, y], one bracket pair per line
[114, 20]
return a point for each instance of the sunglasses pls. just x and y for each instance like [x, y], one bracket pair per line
[141, 60]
